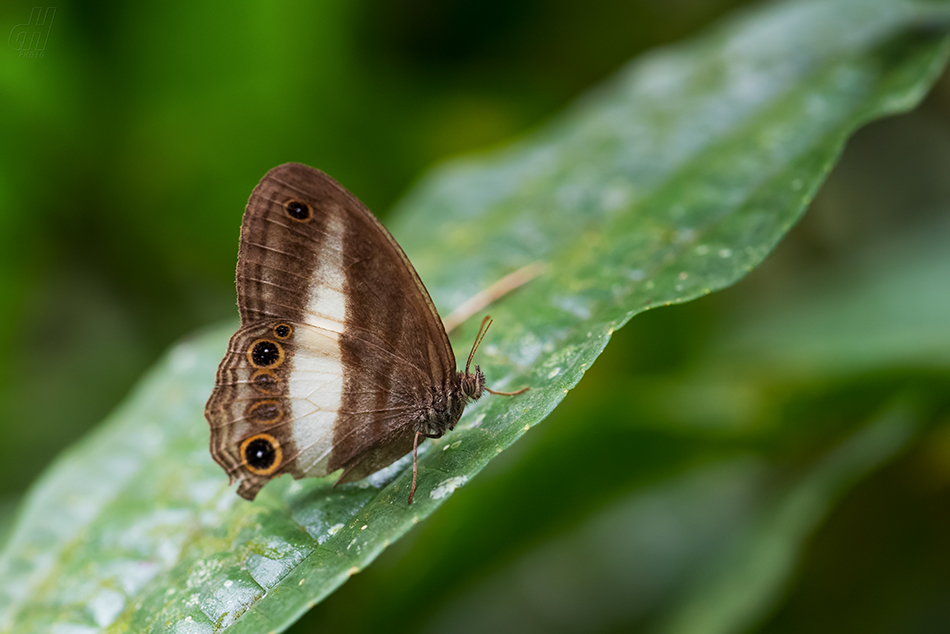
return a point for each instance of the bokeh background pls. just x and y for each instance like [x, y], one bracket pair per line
[129, 149]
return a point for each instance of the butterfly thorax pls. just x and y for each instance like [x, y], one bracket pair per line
[446, 409]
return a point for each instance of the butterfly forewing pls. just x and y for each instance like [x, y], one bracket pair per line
[340, 349]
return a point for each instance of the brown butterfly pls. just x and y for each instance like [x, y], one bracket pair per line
[341, 360]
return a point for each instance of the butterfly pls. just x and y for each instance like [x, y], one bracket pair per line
[341, 361]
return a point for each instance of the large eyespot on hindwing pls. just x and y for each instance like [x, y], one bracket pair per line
[266, 412]
[264, 353]
[261, 454]
[299, 211]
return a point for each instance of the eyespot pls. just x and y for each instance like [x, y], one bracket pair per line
[262, 454]
[264, 353]
[266, 412]
[267, 382]
[299, 211]
[282, 331]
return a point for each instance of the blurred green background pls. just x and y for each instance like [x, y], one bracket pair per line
[129, 151]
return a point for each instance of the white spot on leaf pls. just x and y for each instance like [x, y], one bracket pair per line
[106, 606]
[447, 487]
[189, 626]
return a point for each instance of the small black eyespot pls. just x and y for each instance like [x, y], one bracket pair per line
[282, 331]
[267, 382]
[260, 453]
[266, 353]
[298, 210]
[265, 412]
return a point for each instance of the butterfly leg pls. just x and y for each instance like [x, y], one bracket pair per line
[415, 464]
[415, 459]
[515, 393]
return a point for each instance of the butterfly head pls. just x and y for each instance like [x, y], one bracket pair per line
[472, 384]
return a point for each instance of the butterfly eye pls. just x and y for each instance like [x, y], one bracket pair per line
[265, 412]
[264, 353]
[262, 454]
[267, 382]
[298, 210]
[282, 331]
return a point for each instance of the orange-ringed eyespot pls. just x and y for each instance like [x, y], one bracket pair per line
[264, 353]
[262, 454]
[282, 331]
[297, 210]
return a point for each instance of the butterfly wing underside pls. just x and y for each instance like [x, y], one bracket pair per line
[340, 347]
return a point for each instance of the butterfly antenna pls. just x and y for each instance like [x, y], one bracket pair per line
[482, 331]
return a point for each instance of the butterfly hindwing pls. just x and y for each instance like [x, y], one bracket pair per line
[251, 411]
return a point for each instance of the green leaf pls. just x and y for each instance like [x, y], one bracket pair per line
[672, 180]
